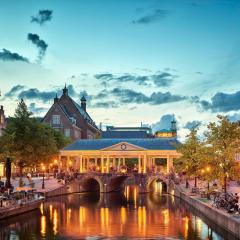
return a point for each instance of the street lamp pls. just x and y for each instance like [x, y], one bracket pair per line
[43, 182]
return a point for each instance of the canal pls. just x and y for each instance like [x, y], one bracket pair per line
[115, 215]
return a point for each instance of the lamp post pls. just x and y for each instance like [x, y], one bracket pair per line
[43, 182]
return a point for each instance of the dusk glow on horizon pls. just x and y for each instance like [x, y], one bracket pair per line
[134, 61]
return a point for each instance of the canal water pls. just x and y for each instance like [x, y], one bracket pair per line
[127, 215]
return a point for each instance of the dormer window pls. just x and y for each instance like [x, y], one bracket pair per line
[56, 119]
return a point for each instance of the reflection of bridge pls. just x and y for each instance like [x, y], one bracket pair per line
[92, 182]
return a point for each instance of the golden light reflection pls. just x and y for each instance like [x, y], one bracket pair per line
[135, 197]
[142, 219]
[104, 214]
[69, 212]
[165, 213]
[123, 215]
[186, 226]
[199, 224]
[55, 222]
[82, 215]
[51, 211]
[43, 225]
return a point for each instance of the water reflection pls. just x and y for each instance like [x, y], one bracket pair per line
[130, 214]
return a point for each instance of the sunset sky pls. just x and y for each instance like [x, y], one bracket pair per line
[135, 60]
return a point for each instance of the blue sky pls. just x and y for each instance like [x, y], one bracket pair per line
[135, 60]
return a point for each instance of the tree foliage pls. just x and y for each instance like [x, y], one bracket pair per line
[190, 161]
[29, 142]
[222, 139]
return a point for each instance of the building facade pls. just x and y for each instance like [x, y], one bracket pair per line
[111, 155]
[70, 118]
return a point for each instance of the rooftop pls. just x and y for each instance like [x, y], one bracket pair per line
[147, 143]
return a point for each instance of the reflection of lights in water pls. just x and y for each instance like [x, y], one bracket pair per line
[158, 187]
[186, 226]
[104, 212]
[123, 215]
[142, 217]
[82, 215]
[135, 197]
[55, 221]
[69, 211]
[43, 225]
[198, 225]
[41, 208]
[165, 213]
[51, 211]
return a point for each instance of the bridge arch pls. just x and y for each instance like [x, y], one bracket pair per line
[91, 184]
[152, 180]
[116, 183]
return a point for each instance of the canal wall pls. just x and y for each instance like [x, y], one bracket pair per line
[219, 217]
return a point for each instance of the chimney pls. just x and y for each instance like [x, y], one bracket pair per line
[56, 99]
[65, 90]
[83, 103]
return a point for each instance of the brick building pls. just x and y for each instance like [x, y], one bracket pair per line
[71, 118]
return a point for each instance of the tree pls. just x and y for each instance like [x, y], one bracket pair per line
[28, 141]
[190, 161]
[222, 141]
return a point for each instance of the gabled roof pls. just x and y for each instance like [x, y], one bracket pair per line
[147, 143]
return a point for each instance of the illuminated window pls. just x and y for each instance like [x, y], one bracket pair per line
[56, 119]
[1, 169]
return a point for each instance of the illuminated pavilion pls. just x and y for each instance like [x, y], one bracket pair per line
[110, 155]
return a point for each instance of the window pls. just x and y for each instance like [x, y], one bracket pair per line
[67, 132]
[56, 119]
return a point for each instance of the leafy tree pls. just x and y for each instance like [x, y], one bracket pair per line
[28, 141]
[191, 150]
[222, 140]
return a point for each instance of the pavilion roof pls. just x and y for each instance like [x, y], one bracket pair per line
[147, 143]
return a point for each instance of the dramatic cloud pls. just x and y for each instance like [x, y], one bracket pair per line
[164, 123]
[190, 125]
[39, 43]
[13, 91]
[155, 16]
[42, 16]
[131, 96]
[34, 93]
[162, 79]
[221, 102]
[6, 55]
[36, 110]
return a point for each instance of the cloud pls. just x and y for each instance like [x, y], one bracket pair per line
[155, 16]
[106, 104]
[6, 55]
[156, 98]
[234, 117]
[13, 91]
[162, 79]
[221, 102]
[39, 43]
[36, 110]
[163, 123]
[42, 17]
[34, 93]
[191, 124]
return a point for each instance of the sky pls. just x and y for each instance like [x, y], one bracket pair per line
[136, 61]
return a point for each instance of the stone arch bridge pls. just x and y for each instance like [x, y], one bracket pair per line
[104, 183]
